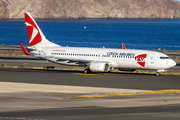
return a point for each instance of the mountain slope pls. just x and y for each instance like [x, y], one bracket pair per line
[65, 9]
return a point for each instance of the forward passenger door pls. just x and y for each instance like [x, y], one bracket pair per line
[152, 58]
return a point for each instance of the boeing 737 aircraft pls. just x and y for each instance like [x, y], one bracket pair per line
[93, 59]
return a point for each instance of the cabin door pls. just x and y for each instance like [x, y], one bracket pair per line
[152, 58]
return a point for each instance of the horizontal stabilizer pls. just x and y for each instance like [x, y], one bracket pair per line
[23, 49]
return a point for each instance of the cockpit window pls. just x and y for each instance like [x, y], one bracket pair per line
[164, 58]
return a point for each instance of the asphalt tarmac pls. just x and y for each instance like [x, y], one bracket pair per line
[169, 112]
[49, 106]
[74, 78]
[78, 78]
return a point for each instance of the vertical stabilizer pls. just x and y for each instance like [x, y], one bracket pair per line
[35, 35]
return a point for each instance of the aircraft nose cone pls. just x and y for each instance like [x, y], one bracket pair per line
[172, 63]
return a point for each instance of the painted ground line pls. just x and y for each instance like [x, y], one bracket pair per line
[172, 91]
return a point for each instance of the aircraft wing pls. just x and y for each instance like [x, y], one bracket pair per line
[64, 58]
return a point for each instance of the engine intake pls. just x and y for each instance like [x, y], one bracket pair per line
[99, 67]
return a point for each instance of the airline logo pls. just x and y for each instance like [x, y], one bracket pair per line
[141, 59]
[32, 30]
[121, 54]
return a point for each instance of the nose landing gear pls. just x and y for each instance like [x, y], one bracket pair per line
[158, 71]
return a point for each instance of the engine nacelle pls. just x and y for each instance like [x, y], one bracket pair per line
[127, 70]
[99, 67]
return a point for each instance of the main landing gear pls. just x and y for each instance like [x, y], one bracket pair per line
[87, 71]
[157, 74]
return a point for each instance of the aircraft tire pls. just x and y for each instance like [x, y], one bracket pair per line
[87, 71]
[157, 74]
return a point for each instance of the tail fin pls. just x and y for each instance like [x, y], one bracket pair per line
[35, 35]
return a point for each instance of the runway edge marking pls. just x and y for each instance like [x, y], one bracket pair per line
[168, 91]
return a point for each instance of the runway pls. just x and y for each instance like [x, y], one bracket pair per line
[43, 95]
[78, 78]
[29, 94]
[168, 112]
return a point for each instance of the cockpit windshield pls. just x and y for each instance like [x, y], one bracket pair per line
[164, 58]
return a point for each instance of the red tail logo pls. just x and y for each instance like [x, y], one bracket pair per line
[140, 59]
[32, 30]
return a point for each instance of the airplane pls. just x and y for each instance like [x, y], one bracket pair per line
[93, 59]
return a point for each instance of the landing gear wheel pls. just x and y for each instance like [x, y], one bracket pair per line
[157, 74]
[87, 71]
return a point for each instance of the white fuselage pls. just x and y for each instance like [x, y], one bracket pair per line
[119, 58]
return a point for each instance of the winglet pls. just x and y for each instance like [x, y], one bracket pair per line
[123, 46]
[23, 49]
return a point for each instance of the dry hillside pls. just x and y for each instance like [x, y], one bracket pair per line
[63, 9]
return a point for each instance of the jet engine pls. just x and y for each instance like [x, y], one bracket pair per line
[99, 67]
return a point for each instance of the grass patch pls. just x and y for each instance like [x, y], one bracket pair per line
[4, 65]
[7, 46]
